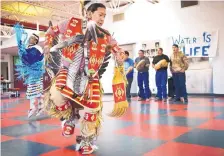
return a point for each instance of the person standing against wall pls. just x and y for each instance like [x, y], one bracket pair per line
[128, 65]
[178, 65]
[142, 64]
[160, 63]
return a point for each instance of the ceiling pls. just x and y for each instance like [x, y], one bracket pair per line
[40, 12]
[43, 11]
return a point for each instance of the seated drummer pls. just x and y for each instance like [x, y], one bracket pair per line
[142, 65]
[160, 63]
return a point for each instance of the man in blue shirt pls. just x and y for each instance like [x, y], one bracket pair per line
[128, 65]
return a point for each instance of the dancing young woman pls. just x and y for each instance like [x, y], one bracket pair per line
[30, 68]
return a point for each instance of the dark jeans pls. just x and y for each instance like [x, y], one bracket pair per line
[171, 87]
[143, 78]
[180, 85]
[161, 81]
[128, 88]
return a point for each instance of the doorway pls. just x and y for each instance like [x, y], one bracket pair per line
[4, 70]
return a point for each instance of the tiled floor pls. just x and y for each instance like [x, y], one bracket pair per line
[148, 129]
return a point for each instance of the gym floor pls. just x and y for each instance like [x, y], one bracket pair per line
[148, 128]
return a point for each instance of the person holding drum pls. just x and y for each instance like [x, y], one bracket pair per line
[142, 64]
[160, 63]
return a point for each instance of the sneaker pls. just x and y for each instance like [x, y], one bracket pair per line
[171, 98]
[140, 99]
[31, 112]
[165, 100]
[86, 148]
[78, 147]
[158, 99]
[186, 100]
[182, 99]
[147, 100]
[176, 100]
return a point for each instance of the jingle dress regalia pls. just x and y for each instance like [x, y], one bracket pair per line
[30, 68]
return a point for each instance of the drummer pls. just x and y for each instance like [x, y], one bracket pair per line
[142, 65]
[160, 63]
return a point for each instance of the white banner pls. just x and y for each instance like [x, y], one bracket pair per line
[204, 45]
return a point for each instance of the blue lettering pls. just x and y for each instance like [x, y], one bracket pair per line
[184, 51]
[176, 41]
[204, 50]
[196, 50]
[182, 41]
[194, 40]
[208, 38]
[191, 51]
[204, 36]
[187, 42]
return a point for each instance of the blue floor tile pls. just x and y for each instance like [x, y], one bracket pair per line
[206, 108]
[24, 148]
[33, 118]
[4, 111]
[148, 109]
[203, 137]
[176, 121]
[26, 129]
[221, 116]
[217, 100]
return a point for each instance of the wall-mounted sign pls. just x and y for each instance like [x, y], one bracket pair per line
[204, 45]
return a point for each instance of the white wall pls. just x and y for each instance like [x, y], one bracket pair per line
[145, 21]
